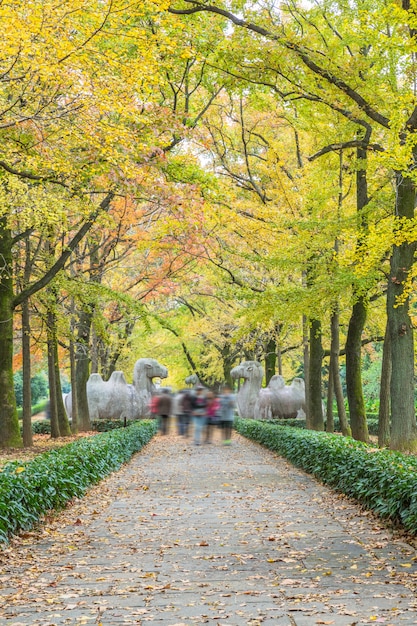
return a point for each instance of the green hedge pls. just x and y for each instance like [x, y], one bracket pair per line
[301, 423]
[28, 490]
[43, 427]
[382, 480]
[36, 408]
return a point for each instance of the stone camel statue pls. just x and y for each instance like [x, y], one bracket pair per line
[252, 372]
[115, 398]
[279, 400]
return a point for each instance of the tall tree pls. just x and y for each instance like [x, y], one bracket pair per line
[341, 77]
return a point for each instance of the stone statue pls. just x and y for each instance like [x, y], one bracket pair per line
[115, 398]
[192, 380]
[281, 401]
[252, 372]
[144, 372]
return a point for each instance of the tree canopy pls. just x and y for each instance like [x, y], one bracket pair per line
[210, 182]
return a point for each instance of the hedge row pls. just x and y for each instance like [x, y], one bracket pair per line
[382, 480]
[28, 490]
[43, 427]
[301, 423]
[36, 408]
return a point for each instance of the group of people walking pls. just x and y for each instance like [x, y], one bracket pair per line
[202, 408]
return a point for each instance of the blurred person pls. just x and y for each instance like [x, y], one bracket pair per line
[227, 413]
[164, 411]
[199, 413]
[213, 408]
[186, 410]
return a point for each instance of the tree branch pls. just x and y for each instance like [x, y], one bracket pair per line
[59, 264]
[336, 147]
[300, 51]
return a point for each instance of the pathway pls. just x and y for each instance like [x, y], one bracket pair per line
[224, 536]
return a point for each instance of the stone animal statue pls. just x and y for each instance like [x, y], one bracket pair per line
[279, 400]
[252, 372]
[264, 403]
[115, 398]
[144, 372]
[192, 380]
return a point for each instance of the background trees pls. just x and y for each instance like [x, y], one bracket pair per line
[214, 186]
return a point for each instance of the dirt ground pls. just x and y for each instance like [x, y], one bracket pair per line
[41, 443]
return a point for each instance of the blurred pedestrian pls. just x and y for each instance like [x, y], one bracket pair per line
[213, 407]
[227, 412]
[185, 412]
[199, 413]
[154, 404]
[176, 410]
[164, 411]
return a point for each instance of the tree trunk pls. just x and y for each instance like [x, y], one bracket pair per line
[384, 394]
[26, 363]
[82, 369]
[354, 374]
[270, 359]
[334, 366]
[315, 408]
[227, 360]
[9, 424]
[94, 352]
[306, 360]
[329, 406]
[357, 321]
[63, 423]
[51, 377]
[74, 416]
[403, 426]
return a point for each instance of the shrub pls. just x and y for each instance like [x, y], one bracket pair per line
[41, 427]
[28, 490]
[382, 480]
[102, 426]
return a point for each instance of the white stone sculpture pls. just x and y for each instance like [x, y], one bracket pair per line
[252, 372]
[115, 398]
[144, 372]
[281, 401]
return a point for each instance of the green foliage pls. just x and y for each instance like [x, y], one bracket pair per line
[382, 480]
[41, 427]
[28, 490]
[18, 387]
[38, 386]
[103, 426]
[37, 408]
[371, 418]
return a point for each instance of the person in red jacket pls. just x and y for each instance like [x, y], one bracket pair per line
[213, 408]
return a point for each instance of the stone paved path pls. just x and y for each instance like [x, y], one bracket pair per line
[213, 535]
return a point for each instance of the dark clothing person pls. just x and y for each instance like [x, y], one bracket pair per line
[164, 411]
[184, 413]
